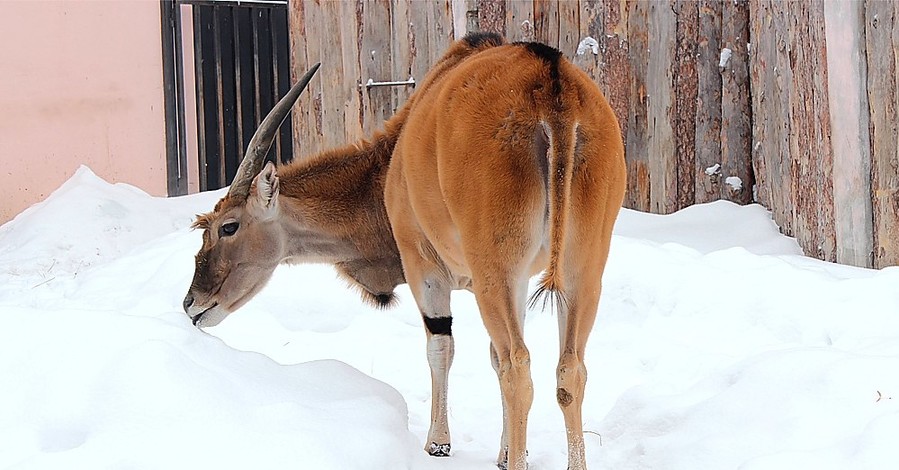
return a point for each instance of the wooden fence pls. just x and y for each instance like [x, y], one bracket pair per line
[752, 101]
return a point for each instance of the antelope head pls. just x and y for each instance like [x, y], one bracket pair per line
[243, 240]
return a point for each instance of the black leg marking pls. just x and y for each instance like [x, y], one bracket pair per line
[439, 325]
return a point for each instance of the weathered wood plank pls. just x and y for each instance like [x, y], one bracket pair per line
[848, 114]
[707, 167]
[307, 122]
[686, 90]
[637, 150]
[569, 27]
[882, 36]
[492, 16]
[333, 79]
[296, 23]
[771, 78]
[419, 41]
[736, 128]
[812, 169]
[441, 30]
[520, 20]
[356, 125]
[465, 17]
[402, 46]
[376, 63]
[590, 24]
[615, 67]
[546, 22]
[661, 97]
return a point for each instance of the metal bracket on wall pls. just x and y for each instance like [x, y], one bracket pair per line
[371, 83]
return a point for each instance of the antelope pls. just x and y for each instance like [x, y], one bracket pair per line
[507, 161]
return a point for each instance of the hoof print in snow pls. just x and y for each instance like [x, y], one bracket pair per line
[439, 450]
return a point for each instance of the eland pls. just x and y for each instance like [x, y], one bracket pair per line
[506, 162]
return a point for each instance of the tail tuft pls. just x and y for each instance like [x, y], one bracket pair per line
[550, 293]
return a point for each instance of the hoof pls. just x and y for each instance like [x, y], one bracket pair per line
[503, 462]
[439, 450]
[505, 465]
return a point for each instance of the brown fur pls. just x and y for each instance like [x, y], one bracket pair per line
[513, 164]
[506, 161]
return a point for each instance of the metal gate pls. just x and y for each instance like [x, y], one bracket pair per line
[241, 65]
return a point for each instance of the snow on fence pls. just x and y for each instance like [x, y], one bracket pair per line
[797, 101]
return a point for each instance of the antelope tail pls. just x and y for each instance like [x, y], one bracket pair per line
[561, 137]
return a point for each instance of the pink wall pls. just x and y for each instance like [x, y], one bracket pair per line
[80, 83]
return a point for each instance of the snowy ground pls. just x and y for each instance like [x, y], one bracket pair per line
[717, 346]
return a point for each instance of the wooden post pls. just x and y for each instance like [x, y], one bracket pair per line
[771, 77]
[707, 167]
[376, 63]
[660, 97]
[607, 22]
[546, 21]
[520, 20]
[569, 27]
[686, 89]
[303, 21]
[847, 83]
[403, 45]
[812, 162]
[736, 129]
[492, 16]
[636, 144]
[882, 36]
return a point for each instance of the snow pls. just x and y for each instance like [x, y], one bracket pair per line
[713, 170]
[588, 44]
[717, 345]
[724, 58]
[734, 183]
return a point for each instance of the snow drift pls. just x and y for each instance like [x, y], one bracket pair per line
[717, 345]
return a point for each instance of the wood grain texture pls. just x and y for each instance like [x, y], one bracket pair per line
[376, 59]
[639, 183]
[615, 68]
[882, 38]
[771, 77]
[812, 163]
[659, 81]
[736, 110]
[403, 50]
[848, 114]
[520, 20]
[546, 21]
[708, 180]
[354, 118]
[686, 90]
[569, 27]
[492, 16]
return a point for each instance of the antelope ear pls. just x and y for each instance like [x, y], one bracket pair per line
[266, 195]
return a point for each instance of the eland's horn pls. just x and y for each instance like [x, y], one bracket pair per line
[262, 140]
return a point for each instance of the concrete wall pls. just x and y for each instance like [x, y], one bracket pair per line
[80, 83]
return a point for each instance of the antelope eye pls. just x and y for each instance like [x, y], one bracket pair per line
[228, 229]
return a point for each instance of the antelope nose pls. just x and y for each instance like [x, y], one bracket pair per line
[188, 301]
